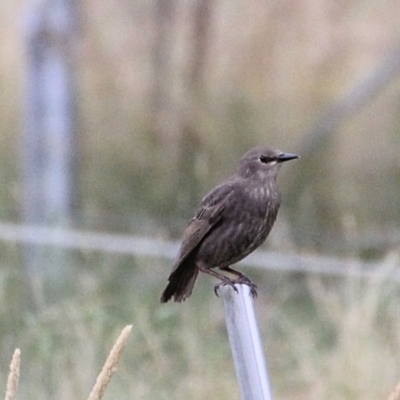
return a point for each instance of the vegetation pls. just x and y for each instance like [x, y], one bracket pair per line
[324, 337]
[153, 137]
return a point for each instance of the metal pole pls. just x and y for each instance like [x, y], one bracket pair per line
[49, 147]
[49, 132]
[247, 351]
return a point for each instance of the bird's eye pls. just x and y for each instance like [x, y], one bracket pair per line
[265, 159]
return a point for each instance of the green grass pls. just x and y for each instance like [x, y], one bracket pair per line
[330, 338]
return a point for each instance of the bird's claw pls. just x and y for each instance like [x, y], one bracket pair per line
[246, 281]
[253, 290]
[240, 281]
[224, 283]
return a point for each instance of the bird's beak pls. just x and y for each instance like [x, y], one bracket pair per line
[286, 157]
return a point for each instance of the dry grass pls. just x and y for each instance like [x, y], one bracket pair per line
[102, 382]
[348, 349]
[395, 395]
[110, 366]
[13, 377]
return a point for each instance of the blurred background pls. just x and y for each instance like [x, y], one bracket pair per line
[118, 116]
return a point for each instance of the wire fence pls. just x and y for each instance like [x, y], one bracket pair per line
[145, 246]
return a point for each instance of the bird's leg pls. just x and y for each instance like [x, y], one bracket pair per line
[225, 280]
[242, 278]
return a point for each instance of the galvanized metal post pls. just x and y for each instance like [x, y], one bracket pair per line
[247, 351]
[48, 146]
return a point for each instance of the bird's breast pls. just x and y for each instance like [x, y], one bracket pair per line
[246, 222]
[263, 199]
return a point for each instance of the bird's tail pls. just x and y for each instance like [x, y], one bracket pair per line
[181, 282]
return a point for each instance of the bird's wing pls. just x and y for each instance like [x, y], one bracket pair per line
[209, 213]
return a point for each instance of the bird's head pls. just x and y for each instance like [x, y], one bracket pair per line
[262, 163]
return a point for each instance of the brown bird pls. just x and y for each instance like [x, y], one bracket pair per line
[232, 221]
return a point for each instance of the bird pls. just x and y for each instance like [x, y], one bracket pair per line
[233, 220]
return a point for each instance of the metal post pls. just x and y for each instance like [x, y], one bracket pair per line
[48, 146]
[247, 351]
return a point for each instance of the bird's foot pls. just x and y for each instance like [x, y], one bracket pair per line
[226, 282]
[240, 281]
[253, 290]
[246, 281]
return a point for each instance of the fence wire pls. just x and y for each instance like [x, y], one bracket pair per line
[145, 246]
